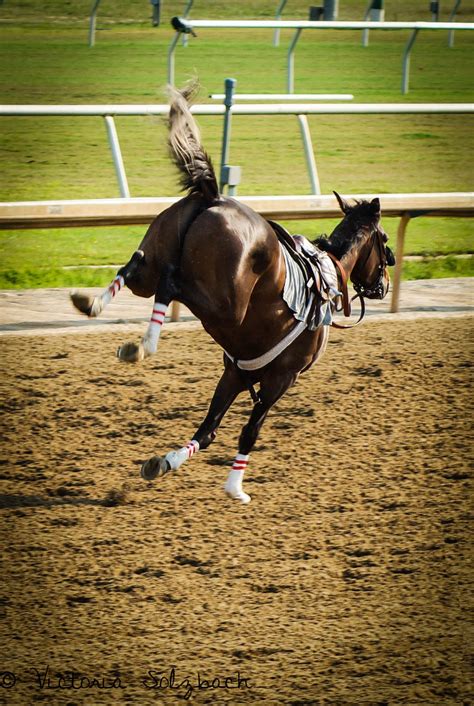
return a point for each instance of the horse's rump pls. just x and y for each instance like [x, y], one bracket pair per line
[230, 258]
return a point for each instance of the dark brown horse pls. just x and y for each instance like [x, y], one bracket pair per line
[228, 265]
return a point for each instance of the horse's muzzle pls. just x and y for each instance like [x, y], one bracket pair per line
[378, 291]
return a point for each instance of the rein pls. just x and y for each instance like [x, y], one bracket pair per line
[346, 301]
[334, 324]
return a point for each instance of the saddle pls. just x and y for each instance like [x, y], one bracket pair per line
[311, 283]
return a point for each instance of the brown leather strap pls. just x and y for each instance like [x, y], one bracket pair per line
[361, 315]
[346, 302]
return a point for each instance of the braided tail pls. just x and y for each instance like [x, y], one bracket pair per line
[197, 172]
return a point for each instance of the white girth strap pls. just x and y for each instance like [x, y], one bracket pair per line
[269, 356]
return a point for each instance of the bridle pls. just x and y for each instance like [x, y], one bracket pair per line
[376, 290]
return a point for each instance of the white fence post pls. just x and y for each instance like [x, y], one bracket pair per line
[92, 22]
[290, 81]
[309, 154]
[117, 156]
[406, 62]
[276, 33]
[451, 19]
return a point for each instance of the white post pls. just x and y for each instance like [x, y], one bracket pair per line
[186, 12]
[451, 19]
[291, 62]
[92, 22]
[406, 62]
[276, 33]
[365, 32]
[117, 156]
[376, 14]
[309, 154]
[171, 50]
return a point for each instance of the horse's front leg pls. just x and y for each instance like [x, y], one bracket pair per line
[273, 386]
[229, 386]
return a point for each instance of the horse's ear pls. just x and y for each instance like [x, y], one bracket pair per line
[375, 205]
[345, 207]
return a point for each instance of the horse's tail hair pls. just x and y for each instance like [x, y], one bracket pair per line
[197, 172]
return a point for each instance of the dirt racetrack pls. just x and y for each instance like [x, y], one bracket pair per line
[345, 581]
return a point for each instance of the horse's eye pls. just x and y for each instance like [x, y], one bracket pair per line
[384, 237]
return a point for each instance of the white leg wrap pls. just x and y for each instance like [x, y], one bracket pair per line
[177, 458]
[150, 339]
[106, 297]
[233, 486]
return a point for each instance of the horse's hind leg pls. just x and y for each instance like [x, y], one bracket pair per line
[92, 306]
[166, 291]
[229, 386]
[132, 352]
[271, 389]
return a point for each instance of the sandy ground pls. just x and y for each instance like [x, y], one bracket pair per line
[31, 311]
[345, 581]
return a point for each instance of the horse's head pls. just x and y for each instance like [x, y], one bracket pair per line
[366, 239]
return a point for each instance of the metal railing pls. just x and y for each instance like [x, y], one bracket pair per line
[186, 26]
[286, 96]
[156, 14]
[301, 110]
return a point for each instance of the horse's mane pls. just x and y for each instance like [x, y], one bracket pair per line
[197, 172]
[350, 230]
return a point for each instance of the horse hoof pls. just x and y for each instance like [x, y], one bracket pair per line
[155, 467]
[82, 302]
[131, 352]
[240, 495]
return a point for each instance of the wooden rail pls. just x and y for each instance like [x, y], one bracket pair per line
[114, 212]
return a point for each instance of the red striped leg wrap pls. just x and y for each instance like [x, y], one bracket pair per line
[177, 458]
[150, 340]
[100, 302]
[240, 462]
[158, 314]
[116, 285]
[233, 486]
[192, 448]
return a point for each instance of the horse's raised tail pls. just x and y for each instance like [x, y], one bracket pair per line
[197, 172]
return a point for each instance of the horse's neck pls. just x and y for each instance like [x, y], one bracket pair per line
[349, 259]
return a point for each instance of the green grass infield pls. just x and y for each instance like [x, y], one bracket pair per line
[45, 58]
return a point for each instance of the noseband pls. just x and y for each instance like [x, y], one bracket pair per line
[386, 257]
